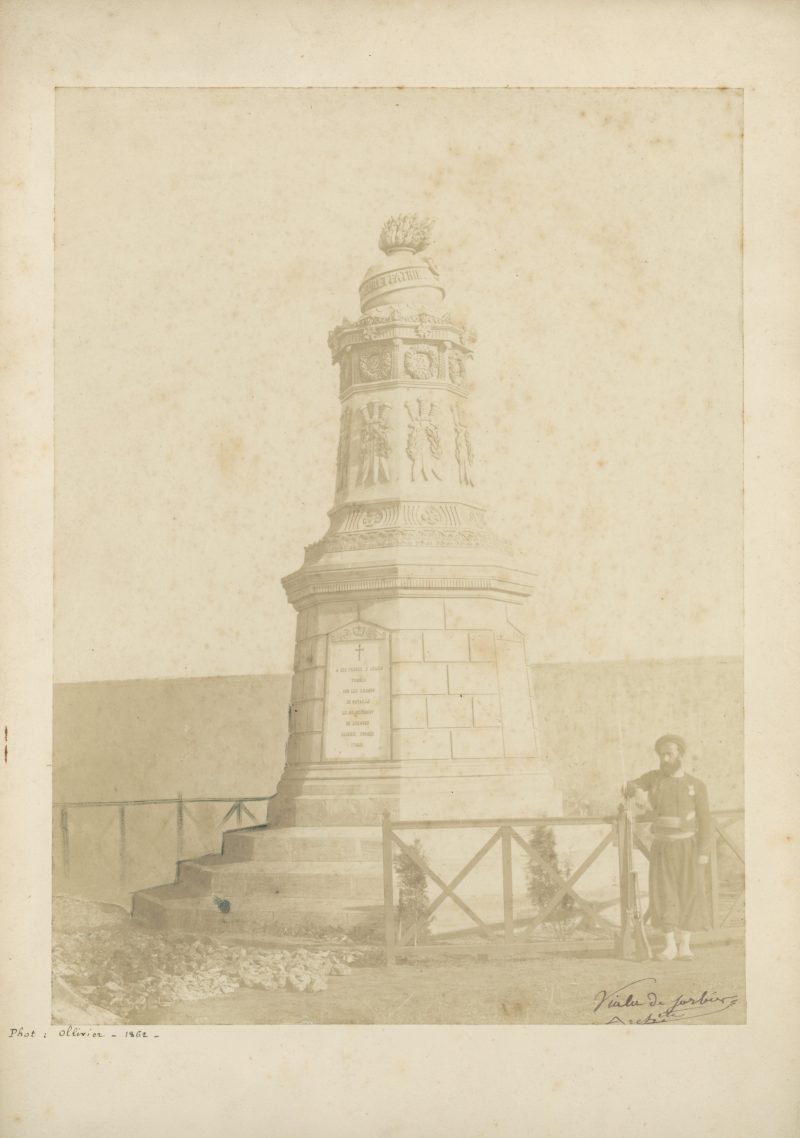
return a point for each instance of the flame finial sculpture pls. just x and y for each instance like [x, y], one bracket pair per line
[406, 231]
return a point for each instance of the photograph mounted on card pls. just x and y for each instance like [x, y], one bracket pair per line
[398, 556]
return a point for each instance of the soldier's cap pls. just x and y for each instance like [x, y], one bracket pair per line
[661, 743]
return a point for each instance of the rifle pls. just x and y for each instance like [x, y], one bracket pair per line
[633, 942]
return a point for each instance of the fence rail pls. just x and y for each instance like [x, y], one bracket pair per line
[514, 933]
[238, 809]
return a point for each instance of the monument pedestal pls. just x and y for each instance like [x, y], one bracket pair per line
[410, 692]
[265, 880]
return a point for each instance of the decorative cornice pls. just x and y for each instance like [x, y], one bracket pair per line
[487, 580]
[400, 513]
[407, 322]
[385, 539]
[382, 525]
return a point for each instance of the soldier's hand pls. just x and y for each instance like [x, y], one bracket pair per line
[703, 859]
[629, 790]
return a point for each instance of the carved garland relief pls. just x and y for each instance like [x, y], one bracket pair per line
[375, 446]
[343, 454]
[463, 447]
[360, 631]
[455, 368]
[423, 446]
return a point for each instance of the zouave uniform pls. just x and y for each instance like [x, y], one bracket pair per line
[681, 828]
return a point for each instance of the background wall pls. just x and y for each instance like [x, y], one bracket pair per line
[221, 735]
[598, 722]
[225, 736]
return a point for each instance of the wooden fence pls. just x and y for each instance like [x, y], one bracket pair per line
[238, 810]
[517, 934]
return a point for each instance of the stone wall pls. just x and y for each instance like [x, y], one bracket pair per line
[597, 722]
[221, 735]
[226, 736]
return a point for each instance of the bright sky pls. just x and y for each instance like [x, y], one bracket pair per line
[208, 240]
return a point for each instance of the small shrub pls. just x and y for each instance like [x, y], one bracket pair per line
[412, 894]
[541, 888]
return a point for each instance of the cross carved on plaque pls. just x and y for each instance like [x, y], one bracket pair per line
[359, 650]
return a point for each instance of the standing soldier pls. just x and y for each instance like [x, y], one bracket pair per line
[679, 853]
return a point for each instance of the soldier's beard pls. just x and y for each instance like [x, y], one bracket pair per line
[670, 765]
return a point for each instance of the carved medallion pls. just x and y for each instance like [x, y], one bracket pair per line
[431, 515]
[370, 519]
[422, 363]
[376, 365]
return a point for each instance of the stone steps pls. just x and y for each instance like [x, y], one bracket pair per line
[294, 877]
[181, 908]
[303, 843]
[345, 880]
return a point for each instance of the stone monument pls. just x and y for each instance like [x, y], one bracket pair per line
[410, 691]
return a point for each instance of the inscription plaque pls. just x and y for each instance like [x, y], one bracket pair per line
[356, 694]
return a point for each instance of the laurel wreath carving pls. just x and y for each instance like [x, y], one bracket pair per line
[376, 365]
[422, 363]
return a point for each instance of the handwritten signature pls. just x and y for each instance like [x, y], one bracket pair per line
[632, 998]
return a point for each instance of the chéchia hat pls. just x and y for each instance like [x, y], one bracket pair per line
[661, 743]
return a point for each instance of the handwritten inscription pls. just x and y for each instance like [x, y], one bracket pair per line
[73, 1032]
[638, 1002]
[354, 703]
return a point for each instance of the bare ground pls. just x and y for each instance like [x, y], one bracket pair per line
[542, 990]
[581, 986]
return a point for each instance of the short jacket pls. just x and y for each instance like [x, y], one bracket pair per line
[679, 807]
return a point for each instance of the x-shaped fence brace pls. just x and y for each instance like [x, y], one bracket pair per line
[721, 829]
[564, 887]
[505, 833]
[238, 809]
[447, 890]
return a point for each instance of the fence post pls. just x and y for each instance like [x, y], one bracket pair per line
[123, 853]
[622, 851]
[179, 825]
[508, 889]
[388, 889]
[714, 868]
[65, 841]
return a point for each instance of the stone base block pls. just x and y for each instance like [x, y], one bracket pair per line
[197, 914]
[442, 790]
[268, 879]
[303, 844]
